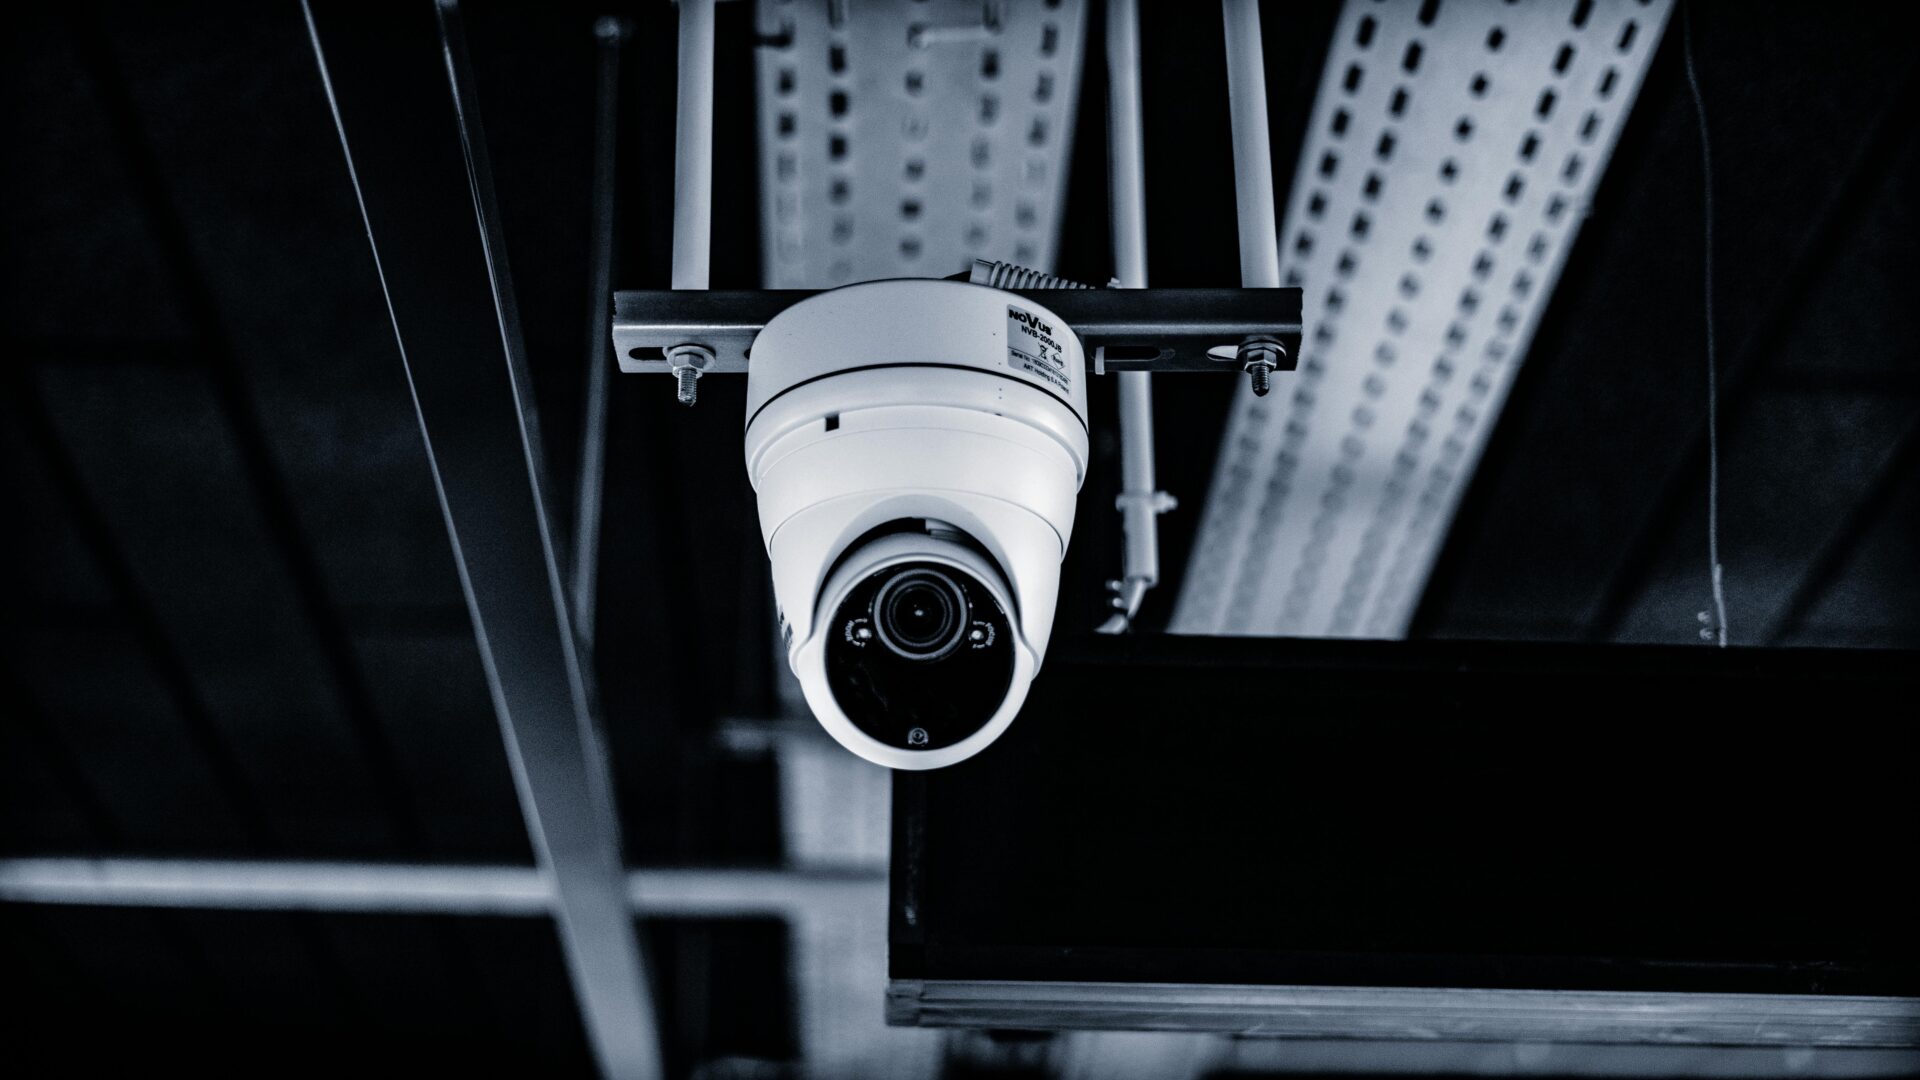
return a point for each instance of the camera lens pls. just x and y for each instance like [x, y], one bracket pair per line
[920, 614]
[921, 656]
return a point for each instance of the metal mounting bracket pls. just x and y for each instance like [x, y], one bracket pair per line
[1160, 330]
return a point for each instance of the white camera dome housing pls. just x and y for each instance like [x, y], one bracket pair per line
[916, 447]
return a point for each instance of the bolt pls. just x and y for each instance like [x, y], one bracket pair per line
[688, 361]
[1259, 357]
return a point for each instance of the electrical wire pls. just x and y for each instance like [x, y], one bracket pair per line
[1718, 631]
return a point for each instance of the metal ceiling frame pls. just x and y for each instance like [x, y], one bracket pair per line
[442, 266]
[406, 888]
[837, 916]
[482, 416]
[403, 98]
[1423, 1014]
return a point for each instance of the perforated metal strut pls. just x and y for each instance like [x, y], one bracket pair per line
[908, 139]
[1446, 171]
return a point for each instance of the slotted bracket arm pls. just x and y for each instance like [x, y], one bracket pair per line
[1160, 330]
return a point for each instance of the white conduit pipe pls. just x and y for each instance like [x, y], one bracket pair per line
[1252, 153]
[693, 148]
[1139, 503]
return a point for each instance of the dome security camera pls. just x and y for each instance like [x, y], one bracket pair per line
[916, 447]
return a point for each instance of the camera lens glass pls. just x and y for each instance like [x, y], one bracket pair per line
[921, 655]
[920, 614]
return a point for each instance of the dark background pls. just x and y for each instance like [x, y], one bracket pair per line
[233, 627]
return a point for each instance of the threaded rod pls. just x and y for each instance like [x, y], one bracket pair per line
[1000, 275]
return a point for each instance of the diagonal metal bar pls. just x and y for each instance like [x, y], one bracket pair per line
[403, 98]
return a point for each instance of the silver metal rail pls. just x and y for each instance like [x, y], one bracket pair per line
[403, 99]
[398, 888]
[1416, 1014]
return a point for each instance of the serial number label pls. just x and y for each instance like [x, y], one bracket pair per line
[1033, 346]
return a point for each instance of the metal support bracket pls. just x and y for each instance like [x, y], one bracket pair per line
[1159, 330]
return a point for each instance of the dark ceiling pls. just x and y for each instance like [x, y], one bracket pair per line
[233, 623]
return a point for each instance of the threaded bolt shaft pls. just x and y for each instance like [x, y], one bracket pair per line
[688, 361]
[1259, 358]
[1000, 275]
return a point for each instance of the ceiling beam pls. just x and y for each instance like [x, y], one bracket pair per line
[1419, 1014]
[420, 889]
[1449, 159]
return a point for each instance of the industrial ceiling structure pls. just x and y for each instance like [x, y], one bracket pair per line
[256, 809]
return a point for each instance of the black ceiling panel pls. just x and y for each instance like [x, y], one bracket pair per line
[1597, 471]
[72, 227]
[154, 451]
[252, 993]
